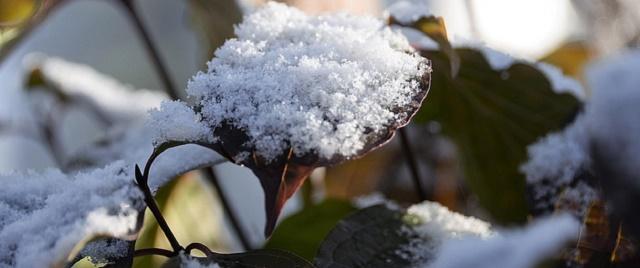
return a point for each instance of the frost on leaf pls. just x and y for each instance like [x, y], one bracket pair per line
[522, 248]
[492, 108]
[110, 100]
[293, 92]
[385, 234]
[45, 215]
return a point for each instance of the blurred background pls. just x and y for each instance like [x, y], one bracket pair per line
[100, 34]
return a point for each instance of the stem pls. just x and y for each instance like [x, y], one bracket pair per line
[151, 49]
[413, 165]
[210, 175]
[153, 207]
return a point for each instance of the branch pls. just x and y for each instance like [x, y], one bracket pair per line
[413, 165]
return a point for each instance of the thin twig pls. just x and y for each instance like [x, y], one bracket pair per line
[153, 207]
[163, 72]
[210, 175]
[413, 165]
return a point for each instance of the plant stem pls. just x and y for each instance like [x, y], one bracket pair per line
[209, 174]
[151, 49]
[153, 207]
[413, 165]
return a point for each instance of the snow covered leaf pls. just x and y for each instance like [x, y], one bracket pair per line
[72, 83]
[435, 29]
[523, 248]
[492, 115]
[387, 236]
[266, 258]
[45, 215]
[302, 233]
[294, 92]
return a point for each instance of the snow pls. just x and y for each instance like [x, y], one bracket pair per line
[609, 119]
[514, 249]
[120, 102]
[614, 111]
[440, 224]
[432, 225]
[408, 11]
[175, 121]
[187, 261]
[560, 155]
[45, 215]
[319, 85]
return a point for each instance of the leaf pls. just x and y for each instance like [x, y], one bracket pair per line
[13, 12]
[264, 258]
[372, 237]
[280, 178]
[492, 115]
[435, 29]
[303, 232]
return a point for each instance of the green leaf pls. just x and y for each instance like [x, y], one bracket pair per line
[376, 236]
[492, 115]
[303, 232]
[263, 258]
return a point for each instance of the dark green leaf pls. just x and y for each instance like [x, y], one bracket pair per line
[303, 232]
[377, 236]
[263, 258]
[492, 115]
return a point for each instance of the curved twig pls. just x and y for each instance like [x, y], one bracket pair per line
[201, 247]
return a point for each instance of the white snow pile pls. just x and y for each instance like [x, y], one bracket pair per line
[434, 224]
[439, 223]
[45, 215]
[615, 111]
[514, 249]
[318, 85]
[120, 102]
[610, 118]
[407, 12]
[175, 121]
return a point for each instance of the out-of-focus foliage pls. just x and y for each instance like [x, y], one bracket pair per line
[13, 12]
[303, 232]
[492, 116]
[214, 21]
[571, 58]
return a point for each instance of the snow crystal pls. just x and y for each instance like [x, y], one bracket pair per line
[514, 249]
[187, 261]
[561, 155]
[315, 84]
[609, 119]
[120, 101]
[439, 223]
[175, 121]
[45, 215]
